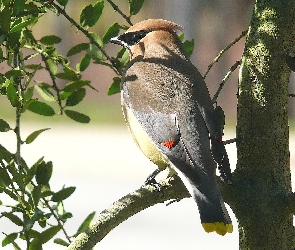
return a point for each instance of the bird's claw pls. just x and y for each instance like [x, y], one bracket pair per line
[152, 181]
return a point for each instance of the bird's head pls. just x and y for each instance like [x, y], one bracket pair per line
[147, 30]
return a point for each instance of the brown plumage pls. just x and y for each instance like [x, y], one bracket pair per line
[169, 112]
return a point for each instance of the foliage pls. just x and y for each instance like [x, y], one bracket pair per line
[22, 55]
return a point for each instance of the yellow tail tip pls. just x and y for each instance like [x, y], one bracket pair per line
[218, 227]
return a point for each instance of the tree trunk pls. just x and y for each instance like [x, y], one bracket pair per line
[262, 180]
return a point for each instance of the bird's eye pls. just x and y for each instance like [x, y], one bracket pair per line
[132, 38]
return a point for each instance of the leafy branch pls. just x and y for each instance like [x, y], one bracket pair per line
[88, 35]
[33, 201]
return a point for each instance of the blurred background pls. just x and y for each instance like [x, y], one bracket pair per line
[101, 160]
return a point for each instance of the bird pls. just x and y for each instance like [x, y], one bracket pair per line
[169, 112]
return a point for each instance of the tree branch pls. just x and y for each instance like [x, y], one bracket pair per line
[116, 8]
[224, 50]
[227, 76]
[229, 141]
[291, 202]
[121, 210]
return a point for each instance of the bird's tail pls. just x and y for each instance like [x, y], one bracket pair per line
[214, 216]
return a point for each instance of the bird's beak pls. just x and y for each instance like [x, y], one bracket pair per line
[116, 40]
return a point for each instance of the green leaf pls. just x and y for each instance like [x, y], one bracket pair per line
[36, 244]
[85, 223]
[20, 26]
[48, 234]
[41, 108]
[112, 31]
[34, 135]
[115, 86]
[32, 171]
[45, 93]
[135, 6]
[66, 215]
[93, 50]
[15, 73]
[60, 208]
[91, 13]
[19, 6]
[13, 218]
[5, 154]
[85, 61]
[52, 65]
[76, 116]
[125, 59]
[11, 93]
[34, 66]
[181, 36]
[63, 2]
[189, 47]
[96, 38]
[5, 19]
[63, 194]
[36, 195]
[76, 97]
[77, 49]
[29, 94]
[9, 239]
[17, 177]
[69, 74]
[5, 179]
[75, 85]
[44, 173]
[6, 2]
[4, 126]
[50, 40]
[60, 242]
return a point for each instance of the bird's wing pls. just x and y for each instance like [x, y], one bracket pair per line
[213, 125]
[164, 132]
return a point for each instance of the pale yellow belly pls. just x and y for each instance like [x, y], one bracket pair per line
[143, 141]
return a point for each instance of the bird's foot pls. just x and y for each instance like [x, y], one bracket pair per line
[173, 201]
[152, 181]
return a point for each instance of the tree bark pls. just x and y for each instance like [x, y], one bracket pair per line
[262, 180]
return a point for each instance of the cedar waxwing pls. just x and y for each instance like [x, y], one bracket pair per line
[168, 110]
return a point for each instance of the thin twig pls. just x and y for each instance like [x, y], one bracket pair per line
[230, 141]
[224, 50]
[52, 76]
[228, 74]
[116, 8]
[59, 222]
[87, 34]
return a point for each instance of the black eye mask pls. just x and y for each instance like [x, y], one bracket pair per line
[132, 38]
